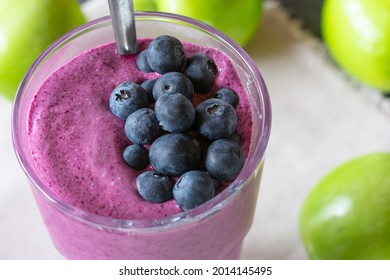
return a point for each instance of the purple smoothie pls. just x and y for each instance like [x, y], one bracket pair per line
[77, 142]
[70, 146]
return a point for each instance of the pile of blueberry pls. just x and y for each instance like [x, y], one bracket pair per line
[190, 149]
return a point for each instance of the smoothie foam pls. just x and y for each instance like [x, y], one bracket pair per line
[77, 143]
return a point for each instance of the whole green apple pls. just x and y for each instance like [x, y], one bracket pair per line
[26, 29]
[357, 35]
[237, 19]
[347, 215]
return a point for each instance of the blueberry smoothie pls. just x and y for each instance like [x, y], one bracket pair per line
[78, 144]
[93, 199]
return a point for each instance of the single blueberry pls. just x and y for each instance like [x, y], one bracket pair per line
[201, 70]
[175, 112]
[142, 62]
[136, 156]
[228, 95]
[194, 188]
[166, 54]
[173, 82]
[127, 98]
[215, 119]
[224, 159]
[148, 87]
[175, 154]
[154, 187]
[142, 127]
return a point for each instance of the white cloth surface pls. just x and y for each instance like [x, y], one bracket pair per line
[321, 118]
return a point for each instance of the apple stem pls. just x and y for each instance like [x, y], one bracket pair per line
[122, 18]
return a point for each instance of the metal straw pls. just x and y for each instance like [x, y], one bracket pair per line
[122, 17]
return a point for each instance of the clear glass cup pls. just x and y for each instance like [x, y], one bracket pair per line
[214, 230]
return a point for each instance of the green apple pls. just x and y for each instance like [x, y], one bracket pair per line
[347, 214]
[26, 29]
[237, 19]
[144, 5]
[357, 35]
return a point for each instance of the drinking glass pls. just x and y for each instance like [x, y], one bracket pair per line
[214, 230]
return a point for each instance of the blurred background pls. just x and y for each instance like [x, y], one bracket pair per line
[322, 117]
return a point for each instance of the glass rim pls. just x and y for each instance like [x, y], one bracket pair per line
[208, 208]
